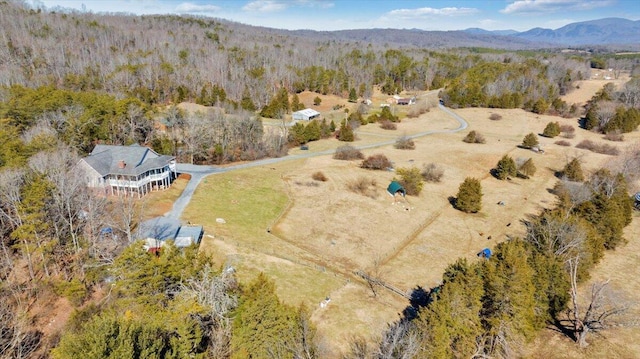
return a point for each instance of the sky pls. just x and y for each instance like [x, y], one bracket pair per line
[329, 15]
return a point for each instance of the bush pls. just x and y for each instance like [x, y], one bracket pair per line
[567, 131]
[388, 125]
[432, 173]
[495, 117]
[363, 186]
[505, 168]
[616, 136]
[530, 141]
[411, 180]
[319, 176]
[376, 162]
[474, 137]
[418, 109]
[469, 197]
[347, 153]
[405, 143]
[563, 143]
[573, 171]
[604, 148]
[75, 291]
[551, 130]
[317, 100]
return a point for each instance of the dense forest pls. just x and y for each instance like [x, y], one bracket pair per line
[69, 81]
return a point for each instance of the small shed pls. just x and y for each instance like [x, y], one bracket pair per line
[188, 235]
[307, 114]
[396, 188]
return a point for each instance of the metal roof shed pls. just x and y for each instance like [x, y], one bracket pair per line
[187, 235]
[307, 114]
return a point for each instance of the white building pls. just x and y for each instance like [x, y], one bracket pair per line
[307, 114]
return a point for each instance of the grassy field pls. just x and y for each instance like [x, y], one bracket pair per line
[311, 236]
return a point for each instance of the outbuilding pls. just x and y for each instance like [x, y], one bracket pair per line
[307, 114]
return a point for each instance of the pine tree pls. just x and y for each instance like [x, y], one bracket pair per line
[551, 130]
[346, 132]
[296, 105]
[353, 97]
[573, 171]
[528, 168]
[469, 197]
[530, 140]
[506, 168]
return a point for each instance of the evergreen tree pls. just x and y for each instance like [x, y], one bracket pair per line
[573, 171]
[296, 105]
[346, 132]
[411, 179]
[506, 168]
[353, 97]
[551, 130]
[317, 101]
[509, 304]
[528, 168]
[263, 326]
[246, 103]
[530, 140]
[469, 197]
[451, 325]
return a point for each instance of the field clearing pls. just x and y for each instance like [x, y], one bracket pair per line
[320, 232]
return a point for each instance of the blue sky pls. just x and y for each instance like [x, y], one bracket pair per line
[519, 15]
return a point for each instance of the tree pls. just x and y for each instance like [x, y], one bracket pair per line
[346, 132]
[353, 97]
[469, 197]
[530, 140]
[317, 101]
[602, 311]
[506, 168]
[296, 105]
[528, 168]
[474, 137]
[551, 130]
[573, 171]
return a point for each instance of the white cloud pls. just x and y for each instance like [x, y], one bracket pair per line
[191, 8]
[265, 6]
[546, 6]
[322, 4]
[428, 11]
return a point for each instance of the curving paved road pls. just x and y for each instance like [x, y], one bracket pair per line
[198, 172]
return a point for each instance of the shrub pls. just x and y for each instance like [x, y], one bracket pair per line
[418, 109]
[495, 117]
[563, 143]
[405, 143]
[388, 125]
[74, 290]
[319, 176]
[432, 173]
[505, 168]
[474, 137]
[317, 100]
[604, 148]
[573, 171]
[567, 131]
[347, 153]
[363, 186]
[530, 140]
[469, 197]
[376, 162]
[411, 180]
[528, 169]
[614, 136]
[551, 130]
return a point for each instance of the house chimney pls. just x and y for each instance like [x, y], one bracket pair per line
[122, 164]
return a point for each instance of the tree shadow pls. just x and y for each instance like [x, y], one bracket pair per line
[452, 201]
[419, 298]
[563, 327]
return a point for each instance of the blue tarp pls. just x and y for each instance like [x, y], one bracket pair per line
[485, 253]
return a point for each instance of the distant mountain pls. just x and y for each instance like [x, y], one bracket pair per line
[479, 31]
[609, 31]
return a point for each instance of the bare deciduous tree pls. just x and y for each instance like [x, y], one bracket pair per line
[600, 312]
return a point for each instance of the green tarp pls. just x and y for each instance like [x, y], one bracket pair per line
[395, 187]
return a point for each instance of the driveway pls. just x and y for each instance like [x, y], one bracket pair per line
[198, 172]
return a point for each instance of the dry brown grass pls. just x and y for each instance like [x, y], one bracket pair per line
[342, 231]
